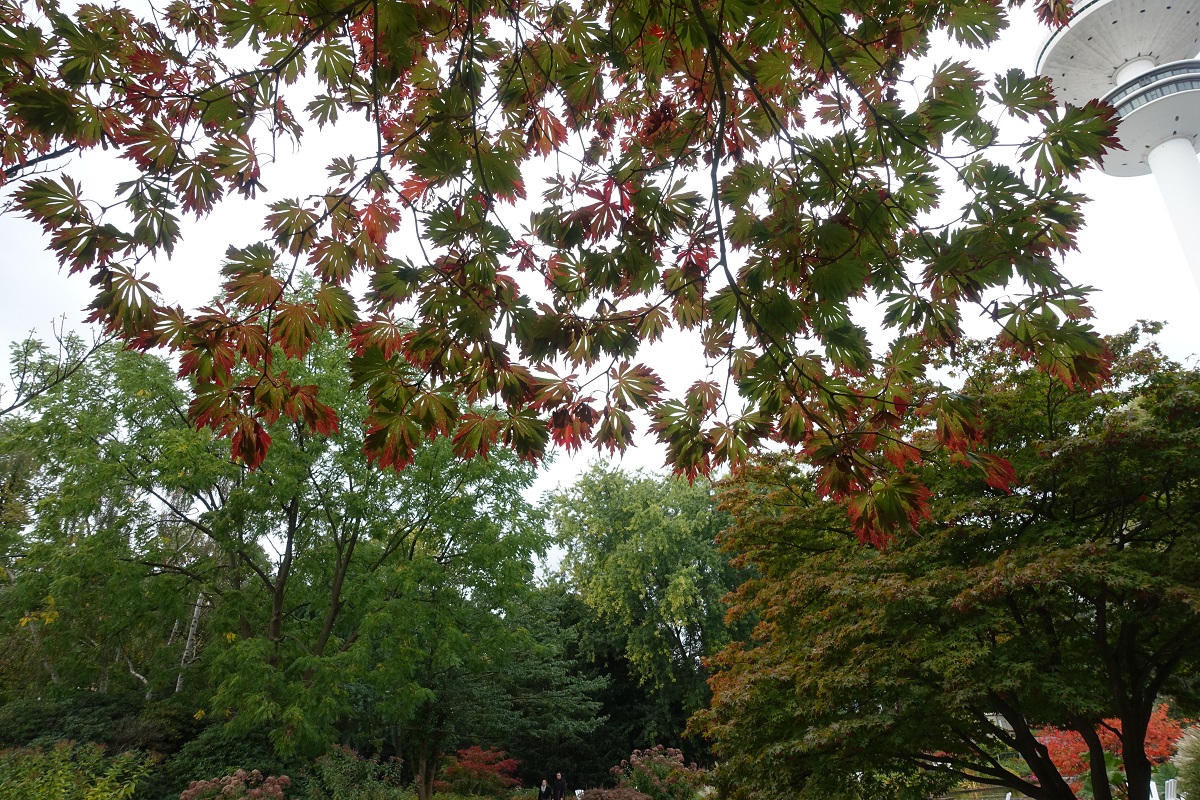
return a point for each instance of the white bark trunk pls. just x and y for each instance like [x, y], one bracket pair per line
[189, 647]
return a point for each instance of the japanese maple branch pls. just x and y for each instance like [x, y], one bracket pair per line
[16, 170]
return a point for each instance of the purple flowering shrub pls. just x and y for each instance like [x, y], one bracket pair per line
[241, 785]
[661, 773]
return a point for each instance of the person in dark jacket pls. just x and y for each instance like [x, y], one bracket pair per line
[544, 791]
[560, 787]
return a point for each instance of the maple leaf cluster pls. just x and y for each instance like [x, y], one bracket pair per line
[744, 172]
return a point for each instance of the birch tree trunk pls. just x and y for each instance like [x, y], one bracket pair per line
[189, 646]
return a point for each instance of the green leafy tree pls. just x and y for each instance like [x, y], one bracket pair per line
[448, 687]
[273, 599]
[35, 368]
[741, 171]
[641, 553]
[16, 469]
[1067, 601]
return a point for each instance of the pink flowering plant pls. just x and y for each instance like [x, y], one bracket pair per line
[241, 785]
[661, 773]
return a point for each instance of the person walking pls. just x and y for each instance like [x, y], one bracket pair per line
[560, 787]
[544, 791]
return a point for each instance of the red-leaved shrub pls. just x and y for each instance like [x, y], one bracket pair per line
[476, 771]
[1069, 752]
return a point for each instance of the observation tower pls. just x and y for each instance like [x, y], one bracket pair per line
[1140, 57]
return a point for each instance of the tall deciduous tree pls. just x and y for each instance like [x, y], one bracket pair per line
[641, 553]
[1070, 600]
[277, 597]
[743, 171]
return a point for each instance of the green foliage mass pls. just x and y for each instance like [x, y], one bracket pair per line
[215, 752]
[553, 712]
[79, 716]
[341, 774]
[161, 595]
[641, 552]
[71, 772]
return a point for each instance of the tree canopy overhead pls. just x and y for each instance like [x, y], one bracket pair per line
[743, 171]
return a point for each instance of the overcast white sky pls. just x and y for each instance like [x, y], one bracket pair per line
[1128, 251]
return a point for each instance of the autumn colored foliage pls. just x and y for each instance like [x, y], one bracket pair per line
[1070, 602]
[543, 189]
[1070, 752]
[475, 771]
